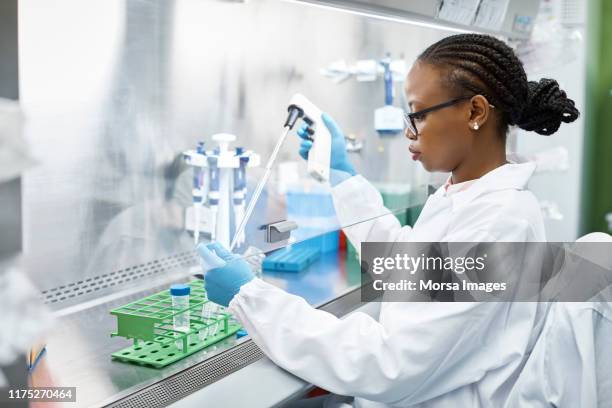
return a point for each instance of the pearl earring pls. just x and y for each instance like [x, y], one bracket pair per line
[475, 126]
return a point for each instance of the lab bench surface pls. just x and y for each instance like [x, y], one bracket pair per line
[233, 372]
[260, 385]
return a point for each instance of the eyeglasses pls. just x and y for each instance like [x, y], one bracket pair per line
[411, 119]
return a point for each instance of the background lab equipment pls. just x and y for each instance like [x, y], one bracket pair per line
[388, 120]
[111, 110]
[223, 185]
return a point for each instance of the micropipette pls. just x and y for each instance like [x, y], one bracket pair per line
[318, 157]
[260, 186]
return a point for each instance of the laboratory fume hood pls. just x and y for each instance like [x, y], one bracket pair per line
[508, 18]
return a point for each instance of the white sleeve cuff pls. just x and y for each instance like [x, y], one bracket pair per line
[253, 289]
[348, 187]
[357, 200]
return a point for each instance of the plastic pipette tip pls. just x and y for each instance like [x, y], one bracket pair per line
[36, 359]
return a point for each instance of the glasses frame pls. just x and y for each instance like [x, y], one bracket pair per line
[409, 117]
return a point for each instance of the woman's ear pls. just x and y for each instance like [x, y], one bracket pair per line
[479, 112]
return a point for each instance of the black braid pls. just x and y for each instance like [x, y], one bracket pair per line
[484, 65]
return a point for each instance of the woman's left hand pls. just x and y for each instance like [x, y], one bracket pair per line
[229, 273]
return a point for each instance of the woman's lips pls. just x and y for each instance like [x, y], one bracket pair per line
[415, 153]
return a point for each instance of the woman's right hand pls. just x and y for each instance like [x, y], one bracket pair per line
[339, 157]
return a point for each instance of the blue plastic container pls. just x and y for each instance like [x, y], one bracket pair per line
[314, 212]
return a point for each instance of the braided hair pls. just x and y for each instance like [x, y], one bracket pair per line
[484, 65]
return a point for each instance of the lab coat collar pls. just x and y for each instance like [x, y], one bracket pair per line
[510, 176]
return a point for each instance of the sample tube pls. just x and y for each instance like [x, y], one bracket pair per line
[180, 303]
[254, 257]
[209, 310]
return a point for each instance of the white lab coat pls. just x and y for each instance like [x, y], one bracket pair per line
[571, 364]
[415, 354]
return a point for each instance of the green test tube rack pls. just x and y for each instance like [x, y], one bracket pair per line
[149, 322]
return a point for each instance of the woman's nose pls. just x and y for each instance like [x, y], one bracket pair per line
[409, 134]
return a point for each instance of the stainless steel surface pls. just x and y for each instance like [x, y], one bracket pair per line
[281, 385]
[78, 353]
[94, 89]
[79, 347]
[275, 387]
[114, 91]
[193, 379]
[75, 293]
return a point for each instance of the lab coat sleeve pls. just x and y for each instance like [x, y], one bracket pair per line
[416, 352]
[419, 351]
[362, 215]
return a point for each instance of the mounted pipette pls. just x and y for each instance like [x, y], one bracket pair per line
[218, 188]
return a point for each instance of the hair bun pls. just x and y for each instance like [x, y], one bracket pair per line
[547, 106]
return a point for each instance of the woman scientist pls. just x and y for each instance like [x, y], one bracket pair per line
[464, 92]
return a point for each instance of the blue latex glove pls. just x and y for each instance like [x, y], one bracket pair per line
[228, 273]
[339, 157]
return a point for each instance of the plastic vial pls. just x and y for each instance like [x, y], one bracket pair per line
[215, 318]
[254, 257]
[180, 301]
[209, 310]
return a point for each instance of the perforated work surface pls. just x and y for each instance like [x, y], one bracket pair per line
[86, 287]
[197, 377]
